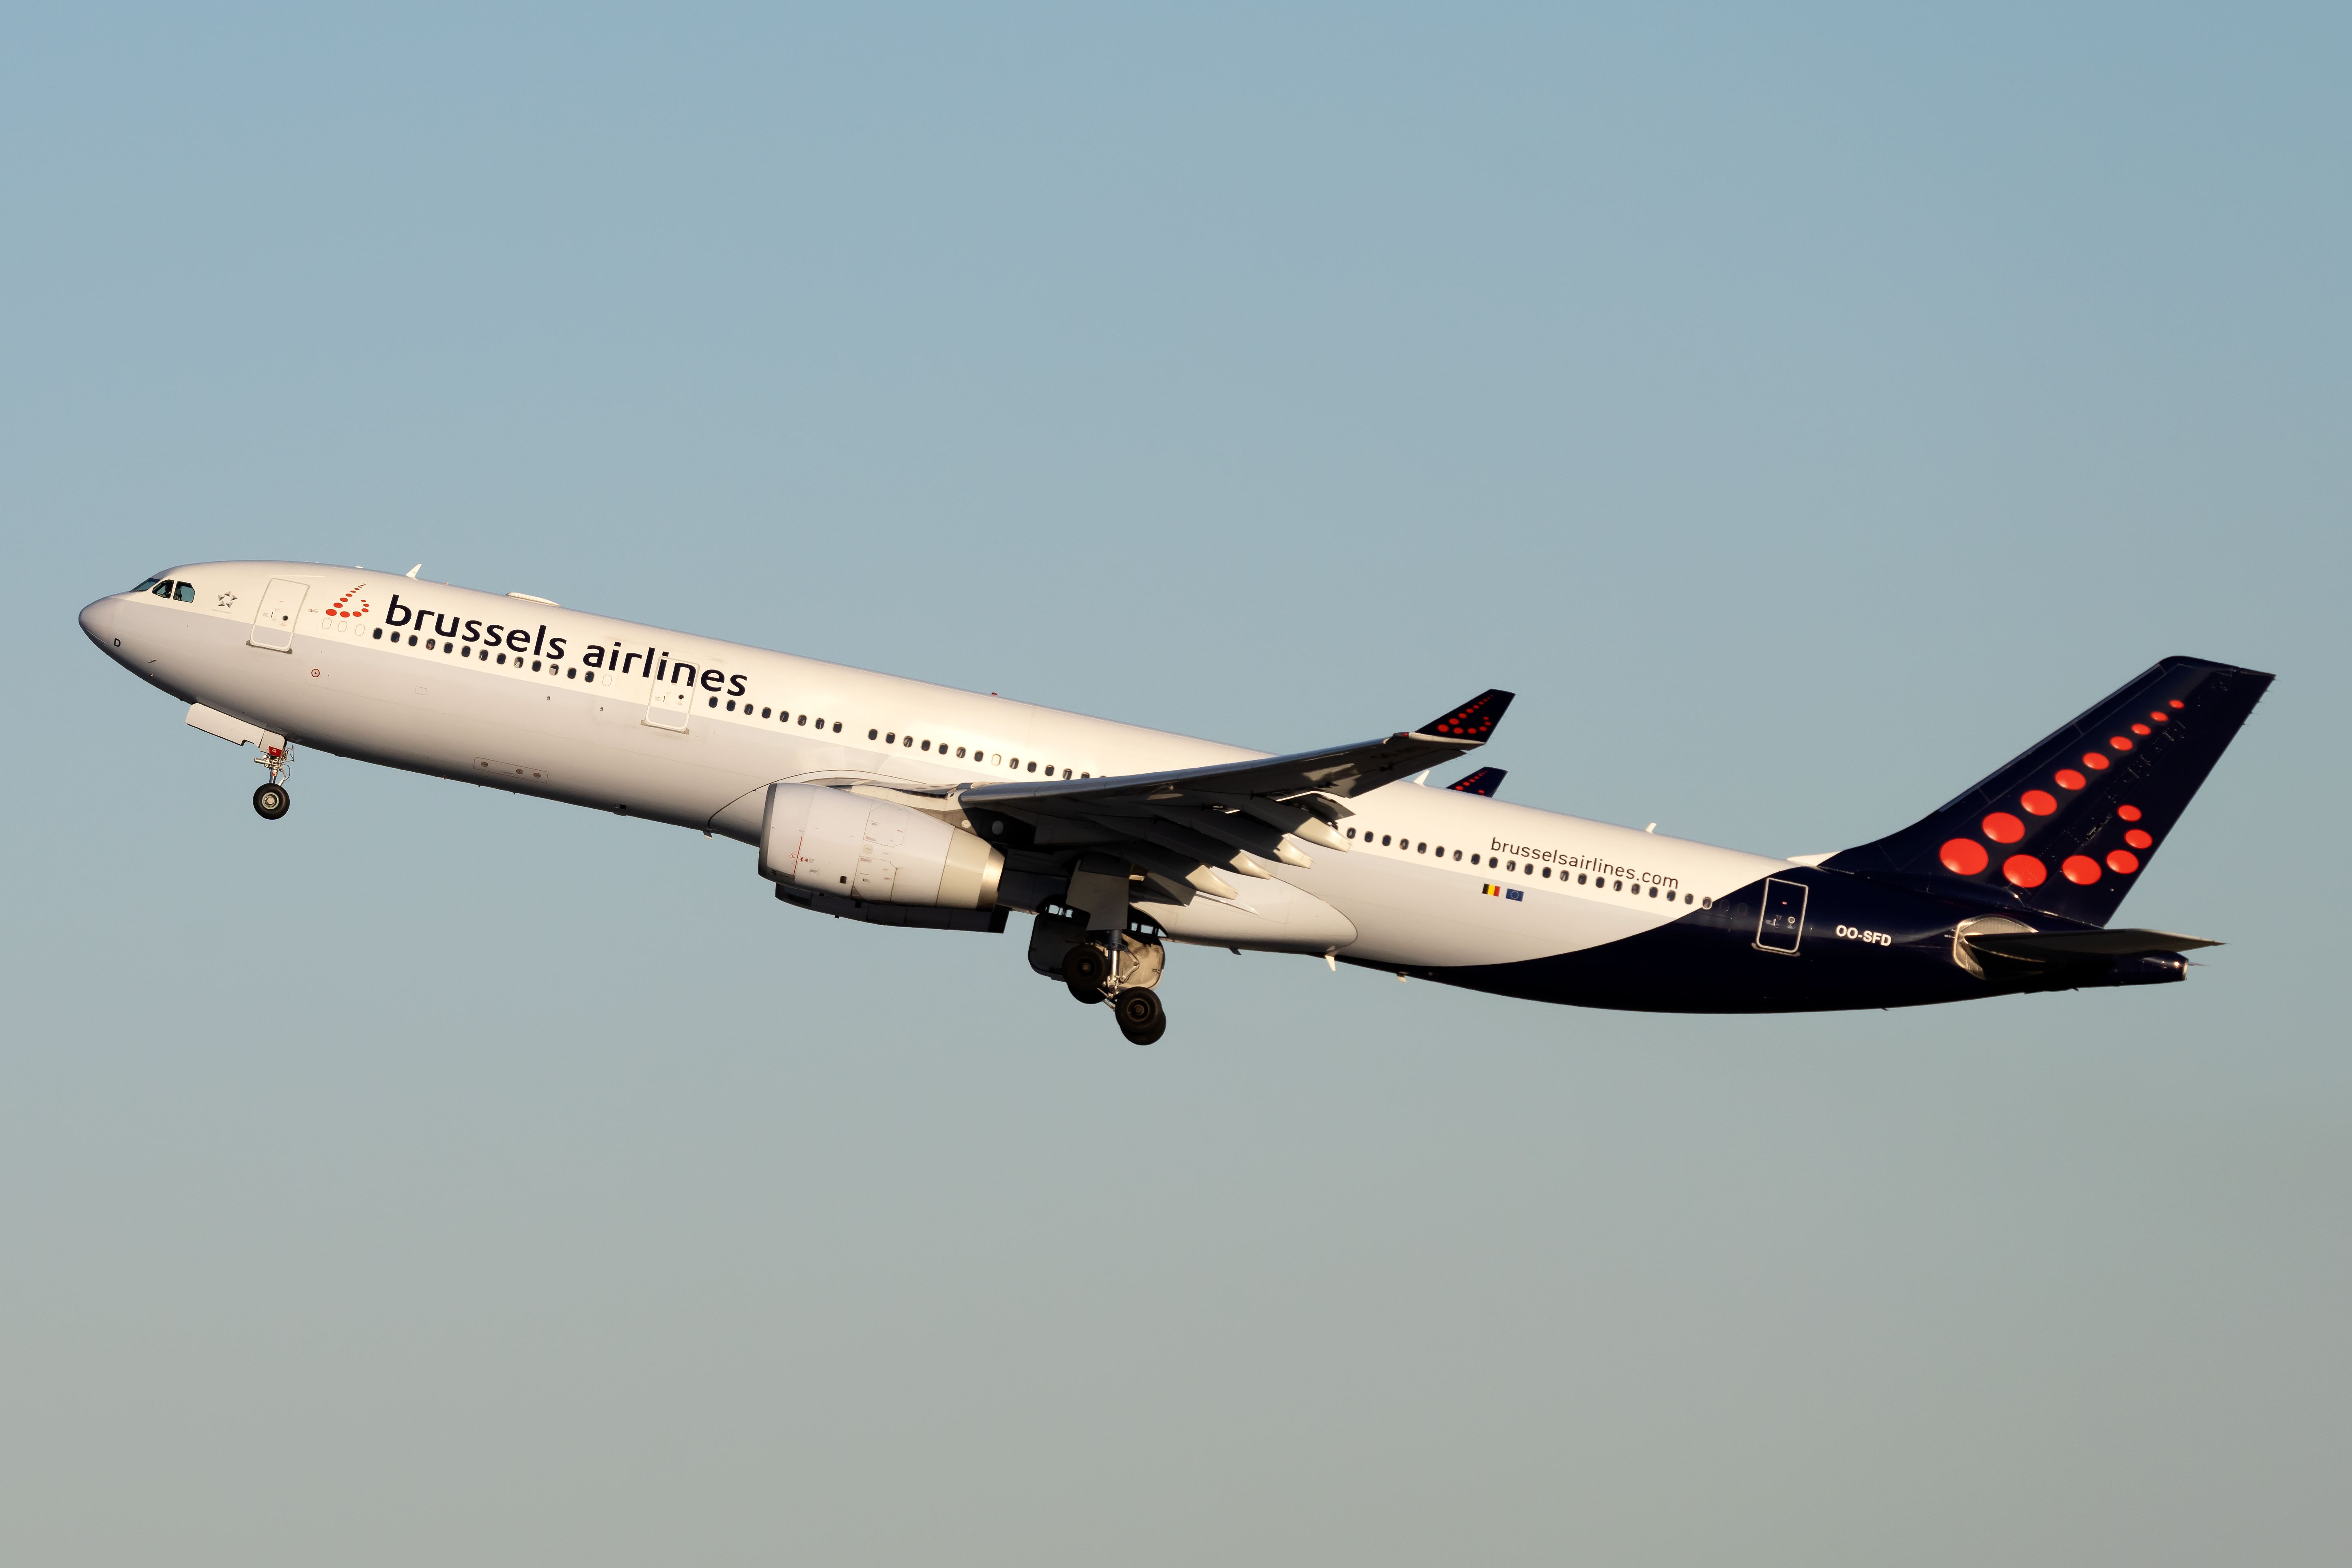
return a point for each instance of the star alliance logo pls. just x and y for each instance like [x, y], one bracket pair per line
[225, 600]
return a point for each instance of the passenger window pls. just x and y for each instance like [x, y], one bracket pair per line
[959, 750]
[1457, 854]
[1579, 878]
[730, 704]
[1351, 833]
[1032, 767]
[379, 637]
[1384, 841]
[908, 743]
[1547, 871]
[187, 594]
[801, 720]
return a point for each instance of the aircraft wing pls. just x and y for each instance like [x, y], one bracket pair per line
[1180, 825]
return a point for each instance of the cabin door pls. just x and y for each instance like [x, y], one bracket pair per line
[273, 623]
[669, 705]
[1782, 924]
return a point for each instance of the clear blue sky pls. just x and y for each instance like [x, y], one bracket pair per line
[1802, 408]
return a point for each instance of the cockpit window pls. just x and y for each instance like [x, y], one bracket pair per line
[164, 590]
[146, 584]
[185, 593]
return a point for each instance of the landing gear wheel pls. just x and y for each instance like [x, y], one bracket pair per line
[271, 800]
[1084, 970]
[1140, 1017]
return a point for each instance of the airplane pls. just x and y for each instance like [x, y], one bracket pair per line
[894, 801]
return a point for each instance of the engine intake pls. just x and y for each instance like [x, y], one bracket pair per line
[820, 840]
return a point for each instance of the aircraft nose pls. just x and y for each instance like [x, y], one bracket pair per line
[98, 621]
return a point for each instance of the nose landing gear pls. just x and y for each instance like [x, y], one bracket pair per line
[271, 800]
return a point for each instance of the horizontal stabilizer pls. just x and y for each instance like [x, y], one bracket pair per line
[2043, 946]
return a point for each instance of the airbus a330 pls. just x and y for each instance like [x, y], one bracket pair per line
[899, 803]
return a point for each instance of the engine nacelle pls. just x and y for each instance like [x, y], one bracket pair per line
[820, 840]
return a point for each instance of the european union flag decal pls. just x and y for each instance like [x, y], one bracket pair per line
[1515, 892]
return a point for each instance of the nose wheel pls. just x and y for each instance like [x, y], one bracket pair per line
[272, 799]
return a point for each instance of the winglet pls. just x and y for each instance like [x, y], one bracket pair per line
[1474, 721]
[1483, 782]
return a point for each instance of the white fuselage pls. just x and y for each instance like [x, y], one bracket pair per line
[607, 713]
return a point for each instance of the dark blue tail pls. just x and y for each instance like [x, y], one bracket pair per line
[2067, 827]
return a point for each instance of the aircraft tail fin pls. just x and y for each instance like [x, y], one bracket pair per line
[2068, 824]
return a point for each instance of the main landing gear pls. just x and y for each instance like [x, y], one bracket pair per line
[272, 799]
[1094, 971]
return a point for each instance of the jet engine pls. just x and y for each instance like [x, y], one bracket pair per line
[828, 843]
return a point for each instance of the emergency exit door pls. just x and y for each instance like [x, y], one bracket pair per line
[1782, 924]
[668, 704]
[273, 623]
